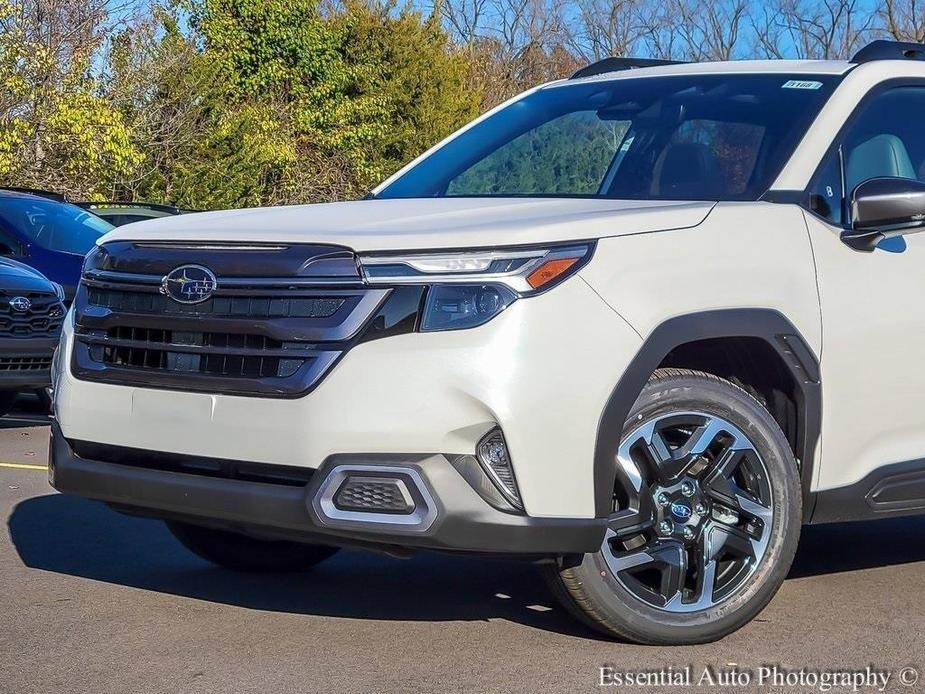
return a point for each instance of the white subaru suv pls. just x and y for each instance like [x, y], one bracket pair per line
[637, 326]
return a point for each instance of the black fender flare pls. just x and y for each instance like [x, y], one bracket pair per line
[769, 325]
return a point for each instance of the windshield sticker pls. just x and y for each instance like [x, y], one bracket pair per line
[802, 84]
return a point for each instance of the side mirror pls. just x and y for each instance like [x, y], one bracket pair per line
[883, 208]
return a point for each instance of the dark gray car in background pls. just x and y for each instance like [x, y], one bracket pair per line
[31, 314]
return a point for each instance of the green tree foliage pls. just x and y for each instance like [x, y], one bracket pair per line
[285, 53]
[421, 85]
[208, 148]
[267, 102]
[56, 130]
[230, 103]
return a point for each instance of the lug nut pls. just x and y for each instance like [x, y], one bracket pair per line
[663, 499]
[688, 533]
[665, 527]
[687, 489]
[700, 509]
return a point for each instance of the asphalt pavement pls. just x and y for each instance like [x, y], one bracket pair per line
[94, 601]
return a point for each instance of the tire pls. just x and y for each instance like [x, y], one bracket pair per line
[7, 400]
[243, 553]
[703, 556]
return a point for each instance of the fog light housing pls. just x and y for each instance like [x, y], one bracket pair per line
[493, 456]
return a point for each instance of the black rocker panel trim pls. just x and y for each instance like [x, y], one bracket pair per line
[766, 324]
[891, 491]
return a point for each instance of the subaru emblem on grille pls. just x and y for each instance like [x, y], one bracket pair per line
[189, 284]
[20, 304]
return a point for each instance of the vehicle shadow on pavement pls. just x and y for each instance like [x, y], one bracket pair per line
[840, 547]
[29, 412]
[84, 538]
[78, 537]
[18, 421]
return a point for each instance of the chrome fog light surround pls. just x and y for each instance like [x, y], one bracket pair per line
[419, 519]
[495, 459]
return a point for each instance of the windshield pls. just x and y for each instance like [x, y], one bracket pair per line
[692, 137]
[53, 225]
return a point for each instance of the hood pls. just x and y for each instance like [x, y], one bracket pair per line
[424, 224]
[16, 277]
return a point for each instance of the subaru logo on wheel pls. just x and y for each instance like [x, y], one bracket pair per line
[189, 284]
[680, 511]
[20, 304]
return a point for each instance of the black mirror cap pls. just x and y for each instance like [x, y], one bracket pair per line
[888, 204]
[885, 207]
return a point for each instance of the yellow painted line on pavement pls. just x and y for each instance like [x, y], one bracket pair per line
[23, 466]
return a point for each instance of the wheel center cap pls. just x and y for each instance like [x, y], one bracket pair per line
[680, 511]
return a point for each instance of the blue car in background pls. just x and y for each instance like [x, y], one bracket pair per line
[50, 235]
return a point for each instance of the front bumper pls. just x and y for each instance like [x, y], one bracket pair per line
[542, 371]
[25, 364]
[457, 517]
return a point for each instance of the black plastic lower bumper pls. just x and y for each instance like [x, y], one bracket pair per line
[461, 521]
[25, 364]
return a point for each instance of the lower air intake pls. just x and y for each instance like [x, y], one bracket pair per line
[374, 495]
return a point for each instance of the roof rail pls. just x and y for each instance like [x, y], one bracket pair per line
[619, 64]
[889, 50]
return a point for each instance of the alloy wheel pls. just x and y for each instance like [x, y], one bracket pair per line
[695, 509]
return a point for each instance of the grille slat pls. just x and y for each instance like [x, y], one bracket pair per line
[205, 353]
[25, 363]
[244, 307]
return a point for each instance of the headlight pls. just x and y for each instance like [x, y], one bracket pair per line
[92, 259]
[59, 291]
[454, 307]
[469, 288]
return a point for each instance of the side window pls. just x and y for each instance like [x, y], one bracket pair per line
[886, 139]
[569, 154]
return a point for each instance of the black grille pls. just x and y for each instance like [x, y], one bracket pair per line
[273, 334]
[221, 354]
[42, 319]
[236, 306]
[374, 495]
[25, 364]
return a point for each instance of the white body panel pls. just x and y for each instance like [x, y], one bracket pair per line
[874, 342]
[746, 255]
[391, 225]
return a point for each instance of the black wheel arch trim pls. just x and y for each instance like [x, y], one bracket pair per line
[769, 325]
